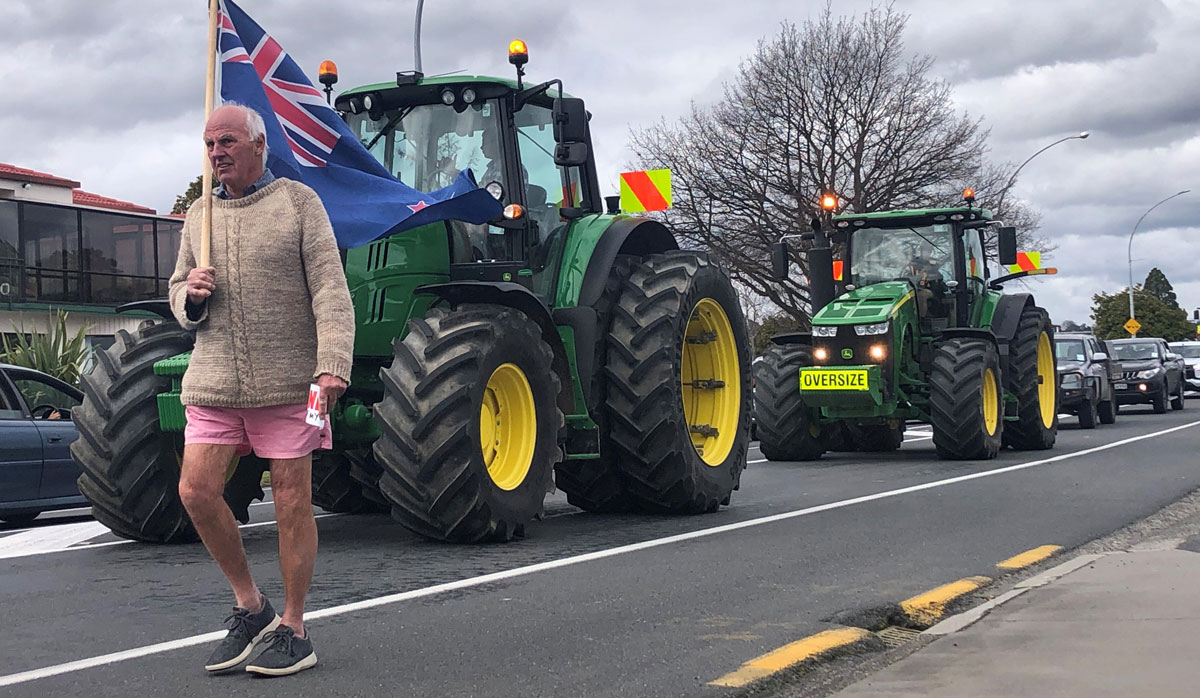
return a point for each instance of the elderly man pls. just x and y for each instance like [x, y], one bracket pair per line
[271, 316]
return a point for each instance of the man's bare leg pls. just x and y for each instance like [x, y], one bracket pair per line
[291, 485]
[202, 488]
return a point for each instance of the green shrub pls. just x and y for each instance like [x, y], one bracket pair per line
[55, 352]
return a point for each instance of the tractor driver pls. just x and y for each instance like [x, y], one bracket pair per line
[926, 275]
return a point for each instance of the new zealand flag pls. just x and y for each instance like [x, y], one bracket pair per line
[307, 141]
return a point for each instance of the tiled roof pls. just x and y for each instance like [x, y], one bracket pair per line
[86, 198]
[22, 174]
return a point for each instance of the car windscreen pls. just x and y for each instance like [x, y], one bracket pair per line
[1134, 351]
[1069, 350]
[1187, 351]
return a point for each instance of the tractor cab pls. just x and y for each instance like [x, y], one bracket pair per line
[939, 253]
[530, 147]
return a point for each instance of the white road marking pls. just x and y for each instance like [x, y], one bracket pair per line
[49, 538]
[136, 652]
[69, 541]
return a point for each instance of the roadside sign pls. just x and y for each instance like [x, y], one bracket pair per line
[1132, 326]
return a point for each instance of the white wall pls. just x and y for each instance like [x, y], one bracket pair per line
[12, 189]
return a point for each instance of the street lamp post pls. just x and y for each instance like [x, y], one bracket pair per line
[1082, 135]
[1130, 250]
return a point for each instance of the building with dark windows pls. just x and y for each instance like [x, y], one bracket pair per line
[65, 248]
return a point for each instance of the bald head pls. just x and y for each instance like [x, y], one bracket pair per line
[237, 147]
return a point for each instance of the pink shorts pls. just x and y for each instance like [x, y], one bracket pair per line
[277, 431]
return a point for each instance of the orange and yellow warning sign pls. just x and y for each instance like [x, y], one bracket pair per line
[1026, 261]
[648, 190]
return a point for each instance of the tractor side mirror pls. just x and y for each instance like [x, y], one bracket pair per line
[570, 120]
[570, 154]
[779, 260]
[1008, 245]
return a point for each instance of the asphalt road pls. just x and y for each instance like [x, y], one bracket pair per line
[586, 605]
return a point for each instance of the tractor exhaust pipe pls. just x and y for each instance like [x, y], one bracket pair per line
[820, 269]
[417, 37]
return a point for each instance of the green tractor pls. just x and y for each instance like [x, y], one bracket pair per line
[559, 346]
[918, 331]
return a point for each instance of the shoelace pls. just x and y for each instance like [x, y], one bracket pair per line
[280, 639]
[239, 619]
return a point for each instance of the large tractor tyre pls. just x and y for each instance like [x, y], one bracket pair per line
[130, 466]
[333, 488]
[678, 405]
[875, 438]
[596, 484]
[1033, 378]
[1107, 410]
[366, 471]
[966, 401]
[1177, 401]
[469, 424]
[785, 428]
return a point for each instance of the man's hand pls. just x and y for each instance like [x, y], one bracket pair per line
[200, 284]
[332, 388]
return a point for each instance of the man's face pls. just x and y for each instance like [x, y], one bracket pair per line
[236, 160]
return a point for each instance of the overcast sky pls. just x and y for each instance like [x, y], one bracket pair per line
[111, 93]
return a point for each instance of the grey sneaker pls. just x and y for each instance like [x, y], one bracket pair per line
[284, 654]
[246, 629]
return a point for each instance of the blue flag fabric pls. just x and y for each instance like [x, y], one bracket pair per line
[307, 141]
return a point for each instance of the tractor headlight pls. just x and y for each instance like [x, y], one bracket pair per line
[821, 353]
[878, 352]
[1072, 381]
[868, 330]
[824, 330]
[1149, 373]
[448, 97]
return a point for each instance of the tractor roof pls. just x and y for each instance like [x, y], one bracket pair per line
[912, 217]
[434, 80]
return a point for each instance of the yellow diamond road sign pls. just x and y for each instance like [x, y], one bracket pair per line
[1132, 326]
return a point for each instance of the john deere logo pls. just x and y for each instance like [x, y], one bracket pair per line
[847, 354]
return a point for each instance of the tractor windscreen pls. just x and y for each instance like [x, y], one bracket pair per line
[921, 254]
[427, 145]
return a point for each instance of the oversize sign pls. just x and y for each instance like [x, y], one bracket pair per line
[837, 379]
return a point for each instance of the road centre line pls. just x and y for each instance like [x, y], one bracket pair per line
[171, 645]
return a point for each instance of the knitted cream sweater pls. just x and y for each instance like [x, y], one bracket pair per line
[280, 314]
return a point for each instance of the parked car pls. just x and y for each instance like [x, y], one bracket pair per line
[1190, 351]
[1084, 379]
[1149, 373]
[37, 473]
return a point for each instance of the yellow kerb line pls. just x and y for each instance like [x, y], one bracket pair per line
[929, 607]
[1028, 557]
[790, 655]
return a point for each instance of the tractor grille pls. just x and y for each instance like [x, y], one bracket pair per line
[375, 305]
[377, 255]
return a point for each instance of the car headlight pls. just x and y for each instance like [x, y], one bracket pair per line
[1149, 373]
[1072, 381]
[824, 330]
[867, 330]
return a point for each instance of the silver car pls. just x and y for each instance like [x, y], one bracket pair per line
[1190, 351]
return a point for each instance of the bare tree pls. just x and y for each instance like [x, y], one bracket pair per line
[831, 105]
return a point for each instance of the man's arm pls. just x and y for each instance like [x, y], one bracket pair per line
[189, 314]
[327, 285]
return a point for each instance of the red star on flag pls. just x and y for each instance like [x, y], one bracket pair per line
[417, 207]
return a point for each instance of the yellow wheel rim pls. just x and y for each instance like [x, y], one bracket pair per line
[711, 382]
[507, 426]
[991, 402]
[1047, 381]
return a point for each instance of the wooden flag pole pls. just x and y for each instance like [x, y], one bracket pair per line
[209, 96]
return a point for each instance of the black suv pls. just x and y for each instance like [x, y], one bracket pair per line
[1085, 383]
[1149, 372]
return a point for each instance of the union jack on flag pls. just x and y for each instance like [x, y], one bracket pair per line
[307, 141]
